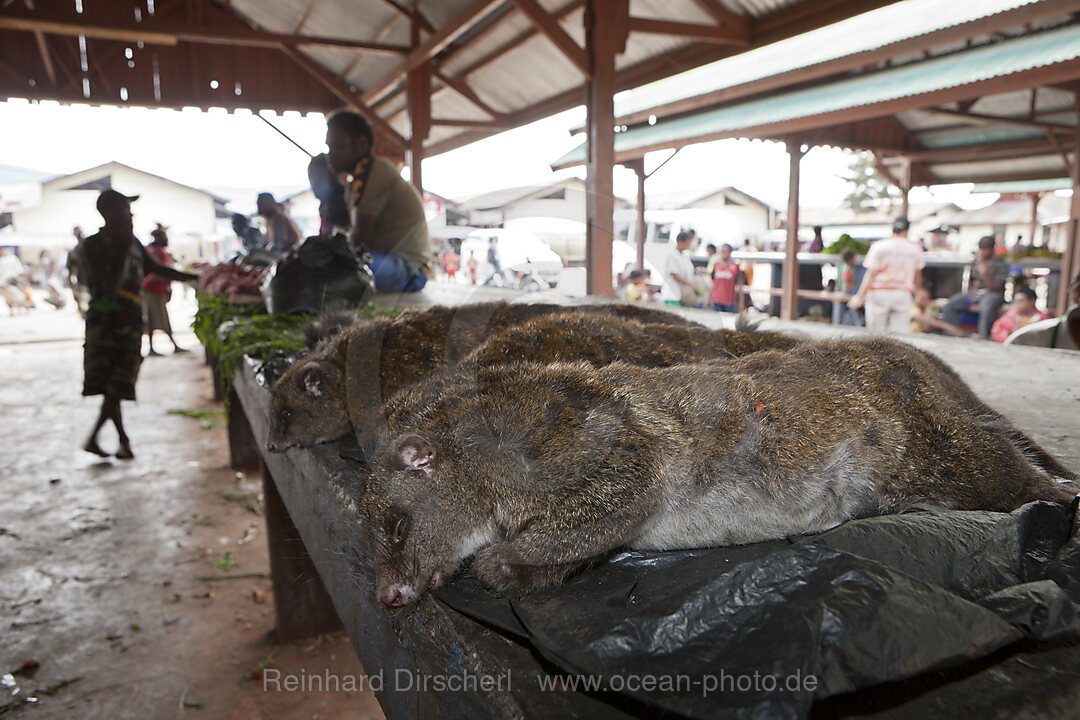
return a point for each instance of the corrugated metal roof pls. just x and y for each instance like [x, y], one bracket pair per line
[1022, 186]
[977, 135]
[964, 172]
[1011, 211]
[869, 31]
[969, 66]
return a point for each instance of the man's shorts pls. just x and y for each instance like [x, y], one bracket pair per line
[112, 354]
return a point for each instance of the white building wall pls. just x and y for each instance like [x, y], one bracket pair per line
[188, 214]
[572, 207]
[753, 219]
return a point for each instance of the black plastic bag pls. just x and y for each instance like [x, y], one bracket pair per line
[766, 630]
[322, 273]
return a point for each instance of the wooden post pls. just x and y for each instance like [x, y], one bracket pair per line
[605, 37]
[302, 606]
[790, 285]
[905, 186]
[419, 98]
[1034, 218]
[638, 166]
[243, 445]
[1068, 258]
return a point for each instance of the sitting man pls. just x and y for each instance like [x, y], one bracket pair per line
[282, 236]
[986, 289]
[387, 213]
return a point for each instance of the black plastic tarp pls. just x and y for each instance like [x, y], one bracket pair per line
[767, 630]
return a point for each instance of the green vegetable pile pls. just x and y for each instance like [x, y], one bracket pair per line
[846, 242]
[215, 310]
[258, 336]
[230, 332]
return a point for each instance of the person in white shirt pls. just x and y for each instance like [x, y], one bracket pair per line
[893, 271]
[679, 273]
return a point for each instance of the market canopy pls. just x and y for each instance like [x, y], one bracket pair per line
[484, 65]
[991, 113]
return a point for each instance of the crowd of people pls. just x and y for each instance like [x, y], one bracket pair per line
[886, 292]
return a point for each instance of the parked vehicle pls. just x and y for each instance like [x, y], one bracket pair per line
[521, 255]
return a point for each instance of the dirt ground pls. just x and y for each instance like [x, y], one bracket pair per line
[103, 563]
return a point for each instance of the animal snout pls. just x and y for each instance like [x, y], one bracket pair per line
[398, 595]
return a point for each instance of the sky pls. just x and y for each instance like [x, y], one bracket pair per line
[238, 154]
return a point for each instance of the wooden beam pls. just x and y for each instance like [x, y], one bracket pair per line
[975, 152]
[419, 98]
[412, 13]
[790, 277]
[1068, 269]
[304, 18]
[497, 125]
[1060, 150]
[554, 32]
[513, 44]
[982, 119]
[46, 57]
[905, 186]
[638, 166]
[886, 172]
[472, 14]
[344, 93]
[153, 33]
[691, 31]
[777, 26]
[1027, 13]
[462, 88]
[1033, 226]
[726, 17]
[605, 36]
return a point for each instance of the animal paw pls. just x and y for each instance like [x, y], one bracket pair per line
[494, 565]
[498, 567]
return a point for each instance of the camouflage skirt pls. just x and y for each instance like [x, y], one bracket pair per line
[112, 354]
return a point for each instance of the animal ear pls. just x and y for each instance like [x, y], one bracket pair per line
[314, 380]
[416, 452]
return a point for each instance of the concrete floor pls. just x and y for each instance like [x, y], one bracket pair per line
[101, 560]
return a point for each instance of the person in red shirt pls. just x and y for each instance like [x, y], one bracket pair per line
[725, 296]
[451, 262]
[1022, 312]
[156, 291]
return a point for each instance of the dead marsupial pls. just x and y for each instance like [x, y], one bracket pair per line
[534, 470]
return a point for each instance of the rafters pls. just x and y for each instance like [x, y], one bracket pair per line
[705, 33]
[412, 13]
[550, 27]
[462, 88]
[981, 119]
[474, 13]
[335, 85]
[154, 33]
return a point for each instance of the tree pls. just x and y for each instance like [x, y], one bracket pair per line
[868, 186]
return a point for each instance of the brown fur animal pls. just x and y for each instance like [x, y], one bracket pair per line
[534, 470]
[343, 384]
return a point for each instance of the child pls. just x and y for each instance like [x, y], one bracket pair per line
[725, 297]
[924, 315]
